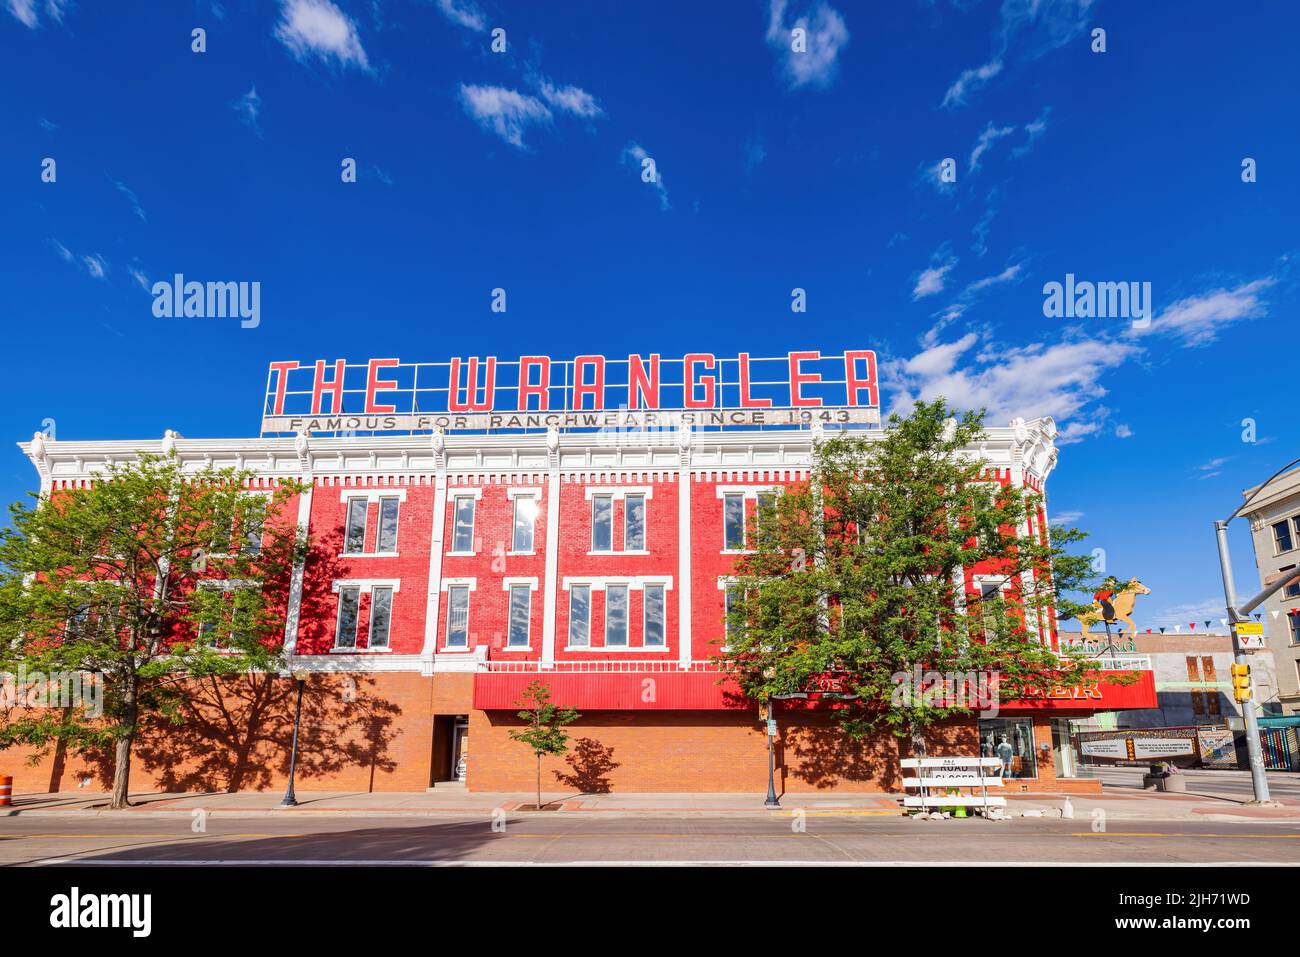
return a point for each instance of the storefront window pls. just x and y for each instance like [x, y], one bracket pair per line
[1012, 740]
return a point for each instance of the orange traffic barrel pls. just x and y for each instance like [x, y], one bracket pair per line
[6, 790]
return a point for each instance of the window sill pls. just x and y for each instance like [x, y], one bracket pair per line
[360, 651]
[461, 649]
[369, 555]
[619, 649]
[511, 554]
[518, 648]
[637, 551]
[736, 551]
[461, 554]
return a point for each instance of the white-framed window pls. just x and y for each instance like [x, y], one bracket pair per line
[381, 616]
[634, 523]
[766, 510]
[354, 536]
[1283, 539]
[458, 616]
[386, 542]
[616, 616]
[733, 522]
[525, 523]
[655, 617]
[345, 632]
[731, 595]
[462, 539]
[521, 600]
[602, 523]
[579, 616]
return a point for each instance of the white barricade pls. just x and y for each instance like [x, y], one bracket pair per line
[952, 772]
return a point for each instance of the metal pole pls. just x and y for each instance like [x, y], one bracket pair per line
[290, 799]
[771, 758]
[1254, 750]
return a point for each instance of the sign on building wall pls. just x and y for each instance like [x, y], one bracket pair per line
[649, 391]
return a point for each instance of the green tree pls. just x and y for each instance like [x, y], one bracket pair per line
[545, 723]
[858, 574]
[148, 578]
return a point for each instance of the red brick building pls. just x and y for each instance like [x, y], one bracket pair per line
[449, 570]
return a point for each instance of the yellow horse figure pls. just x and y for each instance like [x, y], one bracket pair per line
[1122, 601]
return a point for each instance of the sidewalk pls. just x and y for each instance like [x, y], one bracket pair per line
[1117, 804]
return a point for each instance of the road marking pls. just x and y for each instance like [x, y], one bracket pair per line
[1284, 837]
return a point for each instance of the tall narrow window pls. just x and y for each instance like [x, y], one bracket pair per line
[521, 597]
[990, 613]
[634, 523]
[616, 616]
[1295, 628]
[731, 602]
[252, 532]
[733, 518]
[525, 522]
[602, 523]
[766, 512]
[387, 541]
[349, 604]
[458, 616]
[654, 616]
[355, 540]
[462, 539]
[579, 616]
[1282, 537]
[381, 614]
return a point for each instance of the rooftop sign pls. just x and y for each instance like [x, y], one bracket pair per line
[586, 392]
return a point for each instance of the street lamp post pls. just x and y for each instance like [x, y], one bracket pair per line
[1238, 613]
[290, 799]
[771, 757]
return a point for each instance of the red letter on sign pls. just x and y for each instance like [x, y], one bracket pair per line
[320, 385]
[541, 388]
[471, 403]
[595, 388]
[639, 385]
[853, 384]
[709, 382]
[797, 379]
[375, 384]
[745, 401]
[281, 384]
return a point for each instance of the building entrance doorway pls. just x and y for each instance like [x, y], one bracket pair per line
[450, 748]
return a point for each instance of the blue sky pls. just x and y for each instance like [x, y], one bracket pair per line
[777, 170]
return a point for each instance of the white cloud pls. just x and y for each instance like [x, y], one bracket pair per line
[1027, 29]
[248, 107]
[130, 194]
[1066, 518]
[1198, 320]
[96, 265]
[1122, 431]
[64, 252]
[825, 35]
[1211, 610]
[463, 13]
[970, 80]
[503, 111]
[1058, 379]
[931, 280]
[318, 28]
[28, 12]
[569, 99]
[141, 279]
[1033, 131]
[986, 139]
[636, 155]
[1007, 275]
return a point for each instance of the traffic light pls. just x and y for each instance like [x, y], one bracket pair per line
[1241, 682]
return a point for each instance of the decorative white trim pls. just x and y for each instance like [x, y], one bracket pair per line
[633, 582]
[750, 492]
[470, 583]
[531, 582]
[513, 493]
[366, 584]
[465, 491]
[618, 492]
[372, 495]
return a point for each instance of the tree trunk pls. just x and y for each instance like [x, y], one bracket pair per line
[122, 750]
[918, 741]
[539, 782]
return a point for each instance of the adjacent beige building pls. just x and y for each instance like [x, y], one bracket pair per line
[1274, 516]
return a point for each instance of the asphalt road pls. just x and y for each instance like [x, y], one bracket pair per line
[573, 838]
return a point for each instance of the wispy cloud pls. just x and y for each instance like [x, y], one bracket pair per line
[1033, 130]
[1027, 29]
[930, 281]
[1122, 431]
[141, 280]
[95, 265]
[129, 194]
[987, 138]
[248, 107]
[635, 155]
[825, 35]
[317, 28]
[29, 12]
[503, 111]
[1066, 517]
[1198, 320]
[463, 13]
[569, 99]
